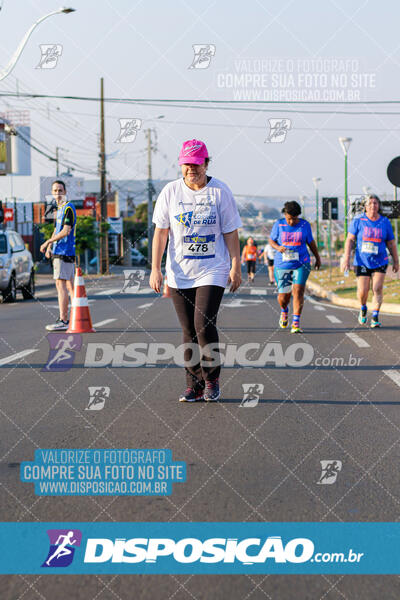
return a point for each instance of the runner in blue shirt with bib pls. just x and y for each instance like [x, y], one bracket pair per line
[372, 234]
[290, 236]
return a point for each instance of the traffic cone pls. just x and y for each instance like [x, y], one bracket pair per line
[80, 321]
[166, 293]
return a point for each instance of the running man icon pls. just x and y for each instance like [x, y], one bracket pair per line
[330, 470]
[62, 547]
[62, 550]
[62, 351]
[133, 279]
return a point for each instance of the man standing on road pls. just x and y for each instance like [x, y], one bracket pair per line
[63, 252]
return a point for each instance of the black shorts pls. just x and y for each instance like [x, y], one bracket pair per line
[362, 271]
[270, 262]
[251, 266]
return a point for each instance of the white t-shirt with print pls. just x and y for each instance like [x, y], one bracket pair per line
[197, 219]
[270, 251]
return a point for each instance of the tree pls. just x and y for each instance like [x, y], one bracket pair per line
[85, 234]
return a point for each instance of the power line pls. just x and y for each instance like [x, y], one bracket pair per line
[237, 105]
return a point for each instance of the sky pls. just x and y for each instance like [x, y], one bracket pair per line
[336, 49]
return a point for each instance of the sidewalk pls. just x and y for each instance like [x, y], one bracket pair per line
[320, 292]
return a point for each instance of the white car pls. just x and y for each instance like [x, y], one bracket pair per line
[16, 267]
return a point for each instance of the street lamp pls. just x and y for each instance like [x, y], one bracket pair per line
[345, 143]
[366, 189]
[7, 70]
[316, 181]
[303, 205]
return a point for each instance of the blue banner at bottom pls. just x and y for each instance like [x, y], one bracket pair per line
[193, 548]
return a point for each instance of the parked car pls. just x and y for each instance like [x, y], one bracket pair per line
[16, 267]
[137, 258]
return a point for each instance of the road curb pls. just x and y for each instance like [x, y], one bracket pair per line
[321, 292]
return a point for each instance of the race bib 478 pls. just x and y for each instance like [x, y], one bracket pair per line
[199, 246]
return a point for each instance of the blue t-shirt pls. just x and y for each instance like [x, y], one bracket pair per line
[371, 237]
[65, 246]
[295, 238]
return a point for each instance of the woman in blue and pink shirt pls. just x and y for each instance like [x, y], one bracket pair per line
[290, 236]
[373, 236]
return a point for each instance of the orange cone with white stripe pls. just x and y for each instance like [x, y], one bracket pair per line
[166, 293]
[80, 321]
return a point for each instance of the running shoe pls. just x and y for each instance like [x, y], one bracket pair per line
[212, 392]
[375, 323]
[192, 395]
[283, 320]
[296, 329]
[59, 325]
[362, 317]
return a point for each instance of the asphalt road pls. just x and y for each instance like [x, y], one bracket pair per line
[259, 463]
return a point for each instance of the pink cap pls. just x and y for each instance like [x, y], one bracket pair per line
[193, 152]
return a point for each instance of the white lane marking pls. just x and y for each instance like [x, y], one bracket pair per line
[112, 291]
[333, 319]
[89, 301]
[335, 307]
[108, 292]
[258, 292]
[146, 305]
[44, 293]
[319, 308]
[394, 376]
[239, 302]
[357, 340]
[16, 356]
[105, 322]
[355, 310]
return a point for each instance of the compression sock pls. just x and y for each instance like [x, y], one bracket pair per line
[375, 315]
[296, 320]
[364, 309]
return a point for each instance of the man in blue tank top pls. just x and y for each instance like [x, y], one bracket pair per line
[63, 253]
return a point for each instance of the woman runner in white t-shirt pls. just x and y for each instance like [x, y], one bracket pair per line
[198, 215]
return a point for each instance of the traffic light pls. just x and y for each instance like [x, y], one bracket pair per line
[1, 212]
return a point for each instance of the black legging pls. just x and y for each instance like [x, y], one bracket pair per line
[197, 310]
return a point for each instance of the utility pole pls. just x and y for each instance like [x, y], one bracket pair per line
[150, 191]
[103, 189]
[396, 226]
[57, 161]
